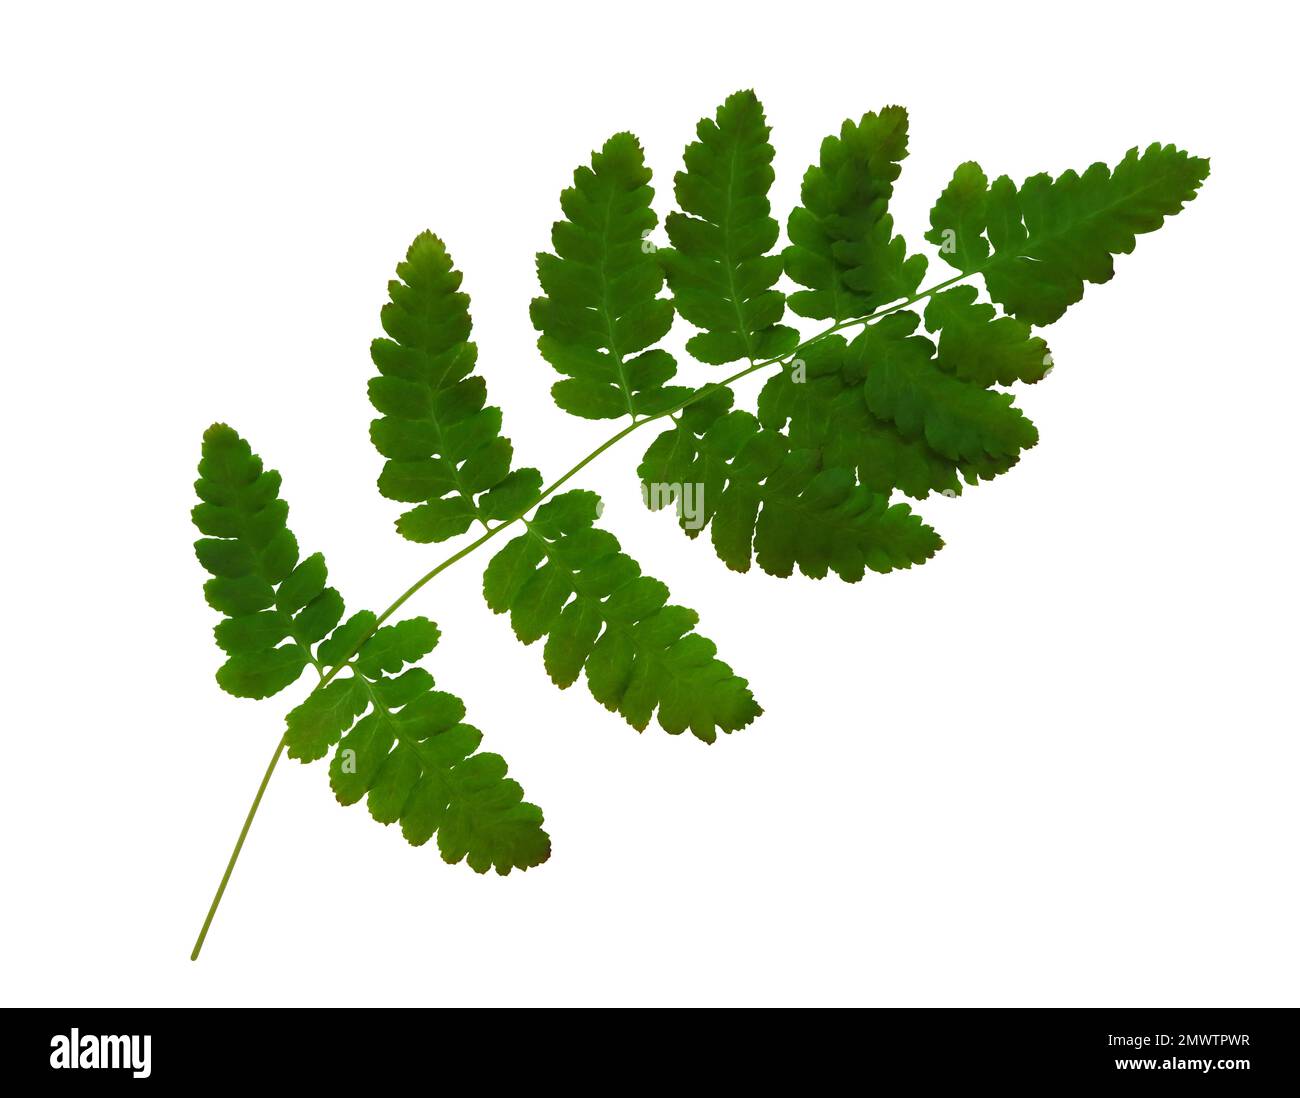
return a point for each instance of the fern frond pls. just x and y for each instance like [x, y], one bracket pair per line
[719, 269]
[414, 761]
[1037, 244]
[601, 313]
[977, 345]
[842, 243]
[408, 751]
[959, 218]
[958, 421]
[275, 606]
[807, 484]
[568, 581]
[781, 505]
[391, 647]
[828, 411]
[445, 450]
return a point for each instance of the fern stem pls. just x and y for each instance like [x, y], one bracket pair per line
[239, 845]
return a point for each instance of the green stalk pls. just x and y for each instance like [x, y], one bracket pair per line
[239, 845]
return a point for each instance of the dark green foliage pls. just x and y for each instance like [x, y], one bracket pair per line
[1037, 244]
[602, 311]
[719, 268]
[567, 580]
[827, 412]
[784, 505]
[978, 346]
[849, 420]
[905, 386]
[408, 751]
[444, 448]
[842, 243]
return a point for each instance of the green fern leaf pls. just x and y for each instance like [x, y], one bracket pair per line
[719, 270]
[601, 313]
[977, 345]
[780, 505]
[958, 421]
[566, 580]
[408, 751]
[257, 581]
[414, 761]
[347, 638]
[444, 448]
[827, 411]
[842, 245]
[1037, 244]
[959, 217]
[393, 646]
[330, 710]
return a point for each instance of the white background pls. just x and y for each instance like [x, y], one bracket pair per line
[1057, 765]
